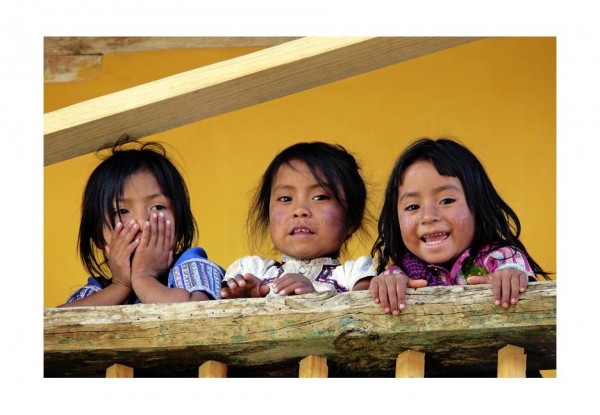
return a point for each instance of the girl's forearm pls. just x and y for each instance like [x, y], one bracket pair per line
[150, 291]
[113, 294]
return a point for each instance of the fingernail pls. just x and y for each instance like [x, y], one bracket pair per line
[401, 306]
[497, 302]
[513, 301]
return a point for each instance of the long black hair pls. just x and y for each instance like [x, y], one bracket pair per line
[333, 167]
[495, 222]
[105, 187]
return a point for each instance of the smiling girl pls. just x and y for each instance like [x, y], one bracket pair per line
[310, 201]
[443, 223]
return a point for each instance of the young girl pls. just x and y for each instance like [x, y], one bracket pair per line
[136, 221]
[311, 200]
[443, 223]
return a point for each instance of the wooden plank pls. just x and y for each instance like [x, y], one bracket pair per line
[90, 45]
[512, 362]
[223, 87]
[72, 68]
[212, 369]
[313, 367]
[410, 364]
[119, 371]
[459, 328]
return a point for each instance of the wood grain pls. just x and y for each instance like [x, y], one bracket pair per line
[458, 328]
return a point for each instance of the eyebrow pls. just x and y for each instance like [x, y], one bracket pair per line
[292, 187]
[435, 190]
[149, 197]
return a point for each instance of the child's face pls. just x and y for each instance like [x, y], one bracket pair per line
[306, 221]
[142, 196]
[435, 220]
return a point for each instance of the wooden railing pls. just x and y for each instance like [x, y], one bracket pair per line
[444, 332]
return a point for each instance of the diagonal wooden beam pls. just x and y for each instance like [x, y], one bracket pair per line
[222, 87]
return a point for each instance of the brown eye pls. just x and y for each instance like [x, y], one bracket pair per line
[321, 197]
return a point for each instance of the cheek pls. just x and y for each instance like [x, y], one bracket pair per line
[466, 224]
[407, 224]
[276, 219]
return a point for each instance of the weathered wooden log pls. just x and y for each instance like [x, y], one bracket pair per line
[458, 328]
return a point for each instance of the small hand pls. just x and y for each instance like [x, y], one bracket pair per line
[118, 252]
[292, 284]
[389, 289]
[154, 254]
[244, 286]
[507, 284]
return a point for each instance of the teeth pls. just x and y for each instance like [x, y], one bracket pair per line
[301, 231]
[434, 238]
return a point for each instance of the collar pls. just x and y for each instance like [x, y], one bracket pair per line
[311, 262]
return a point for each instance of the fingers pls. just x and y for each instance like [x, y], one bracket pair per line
[507, 284]
[417, 283]
[243, 286]
[263, 290]
[122, 240]
[389, 290]
[523, 279]
[290, 284]
[479, 280]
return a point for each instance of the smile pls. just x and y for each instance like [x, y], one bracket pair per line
[301, 231]
[435, 238]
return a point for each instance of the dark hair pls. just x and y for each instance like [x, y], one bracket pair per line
[333, 168]
[495, 222]
[105, 186]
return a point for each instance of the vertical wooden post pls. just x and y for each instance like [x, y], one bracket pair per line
[511, 362]
[212, 369]
[313, 367]
[410, 364]
[119, 371]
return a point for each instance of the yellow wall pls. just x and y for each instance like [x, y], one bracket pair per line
[497, 96]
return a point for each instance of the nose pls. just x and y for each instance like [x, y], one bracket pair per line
[301, 209]
[141, 216]
[430, 213]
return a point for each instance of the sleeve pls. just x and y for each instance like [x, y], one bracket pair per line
[508, 257]
[254, 265]
[92, 286]
[350, 272]
[195, 273]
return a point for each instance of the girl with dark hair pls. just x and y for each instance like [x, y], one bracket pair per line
[443, 223]
[136, 234]
[310, 200]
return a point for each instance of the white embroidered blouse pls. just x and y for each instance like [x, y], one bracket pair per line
[324, 273]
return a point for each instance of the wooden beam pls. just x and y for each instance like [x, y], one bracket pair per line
[313, 367]
[90, 45]
[222, 87]
[410, 364]
[459, 328]
[70, 68]
[119, 371]
[512, 362]
[212, 369]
